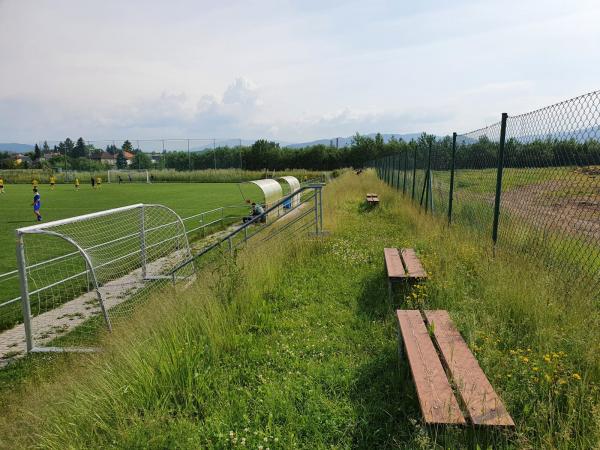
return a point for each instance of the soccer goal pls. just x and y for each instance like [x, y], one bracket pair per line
[86, 274]
[128, 176]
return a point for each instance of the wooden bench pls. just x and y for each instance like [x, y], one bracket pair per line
[372, 199]
[437, 376]
[402, 265]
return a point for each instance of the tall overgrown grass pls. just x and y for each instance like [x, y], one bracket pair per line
[293, 344]
[19, 176]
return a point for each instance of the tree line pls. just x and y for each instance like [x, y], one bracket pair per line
[264, 154]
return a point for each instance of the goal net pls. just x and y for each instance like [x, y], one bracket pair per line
[128, 176]
[86, 274]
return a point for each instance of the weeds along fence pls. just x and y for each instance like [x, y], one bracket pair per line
[25, 176]
[528, 183]
[82, 275]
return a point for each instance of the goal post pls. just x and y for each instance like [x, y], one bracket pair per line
[128, 176]
[87, 273]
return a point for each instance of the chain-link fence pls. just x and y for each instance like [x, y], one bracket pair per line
[530, 182]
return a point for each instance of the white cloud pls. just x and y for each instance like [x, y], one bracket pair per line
[289, 70]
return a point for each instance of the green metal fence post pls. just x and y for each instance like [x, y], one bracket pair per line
[430, 182]
[499, 179]
[397, 157]
[414, 173]
[452, 162]
[426, 185]
[405, 168]
[385, 168]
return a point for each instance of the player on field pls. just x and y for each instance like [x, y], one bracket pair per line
[37, 204]
[98, 182]
[34, 183]
[52, 182]
[77, 183]
[93, 181]
[1, 185]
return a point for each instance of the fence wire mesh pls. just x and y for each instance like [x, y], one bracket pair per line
[538, 183]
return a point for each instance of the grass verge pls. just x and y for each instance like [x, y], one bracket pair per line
[293, 344]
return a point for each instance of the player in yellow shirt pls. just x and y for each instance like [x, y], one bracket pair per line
[34, 183]
[52, 182]
[77, 183]
[98, 182]
[1, 185]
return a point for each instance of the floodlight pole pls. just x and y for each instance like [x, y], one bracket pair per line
[215, 153]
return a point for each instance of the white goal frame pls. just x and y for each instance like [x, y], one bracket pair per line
[46, 229]
[115, 174]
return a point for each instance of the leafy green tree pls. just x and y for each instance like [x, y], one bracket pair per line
[141, 161]
[121, 161]
[37, 153]
[80, 149]
[68, 147]
[127, 147]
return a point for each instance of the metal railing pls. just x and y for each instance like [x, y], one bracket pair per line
[310, 203]
[207, 220]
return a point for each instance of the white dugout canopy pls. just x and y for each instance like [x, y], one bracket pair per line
[294, 185]
[270, 188]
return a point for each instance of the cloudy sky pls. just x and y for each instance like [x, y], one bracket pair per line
[287, 70]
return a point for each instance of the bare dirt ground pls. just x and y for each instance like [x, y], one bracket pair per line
[571, 207]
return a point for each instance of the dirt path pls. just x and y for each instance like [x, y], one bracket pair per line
[63, 319]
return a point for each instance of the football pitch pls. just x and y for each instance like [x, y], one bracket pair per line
[64, 201]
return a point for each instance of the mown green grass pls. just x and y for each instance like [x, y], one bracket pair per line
[294, 344]
[64, 201]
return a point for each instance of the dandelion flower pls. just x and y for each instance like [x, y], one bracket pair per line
[576, 376]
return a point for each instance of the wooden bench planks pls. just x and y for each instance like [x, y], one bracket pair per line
[393, 263]
[372, 199]
[413, 265]
[481, 401]
[438, 404]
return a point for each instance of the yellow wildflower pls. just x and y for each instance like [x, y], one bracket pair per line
[576, 376]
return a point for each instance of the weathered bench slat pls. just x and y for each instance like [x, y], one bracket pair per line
[482, 403]
[436, 398]
[413, 265]
[393, 263]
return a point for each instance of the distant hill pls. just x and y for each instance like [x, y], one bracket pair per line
[347, 141]
[15, 148]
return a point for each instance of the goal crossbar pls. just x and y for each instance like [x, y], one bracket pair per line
[123, 253]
